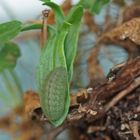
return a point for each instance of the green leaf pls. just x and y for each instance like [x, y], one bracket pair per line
[52, 55]
[86, 4]
[59, 16]
[8, 56]
[72, 37]
[97, 6]
[28, 27]
[46, 58]
[55, 99]
[56, 64]
[45, 0]
[94, 6]
[9, 30]
[52, 69]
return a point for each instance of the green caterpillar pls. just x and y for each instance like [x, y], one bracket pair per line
[56, 96]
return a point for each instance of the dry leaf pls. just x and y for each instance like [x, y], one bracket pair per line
[31, 103]
[128, 30]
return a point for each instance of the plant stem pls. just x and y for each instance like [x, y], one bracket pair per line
[44, 29]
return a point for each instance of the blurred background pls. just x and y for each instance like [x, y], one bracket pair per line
[23, 77]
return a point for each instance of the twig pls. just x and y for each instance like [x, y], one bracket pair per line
[127, 80]
[123, 93]
[44, 29]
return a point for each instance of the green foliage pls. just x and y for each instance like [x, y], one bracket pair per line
[52, 55]
[55, 68]
[72, 37]
[94, 6]
[52, 58]
[59, 16]
[28, 27]
[45, 0]
[8, 56]
[9, 52]
[98, 4]
[9, 30]
[58, 57]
